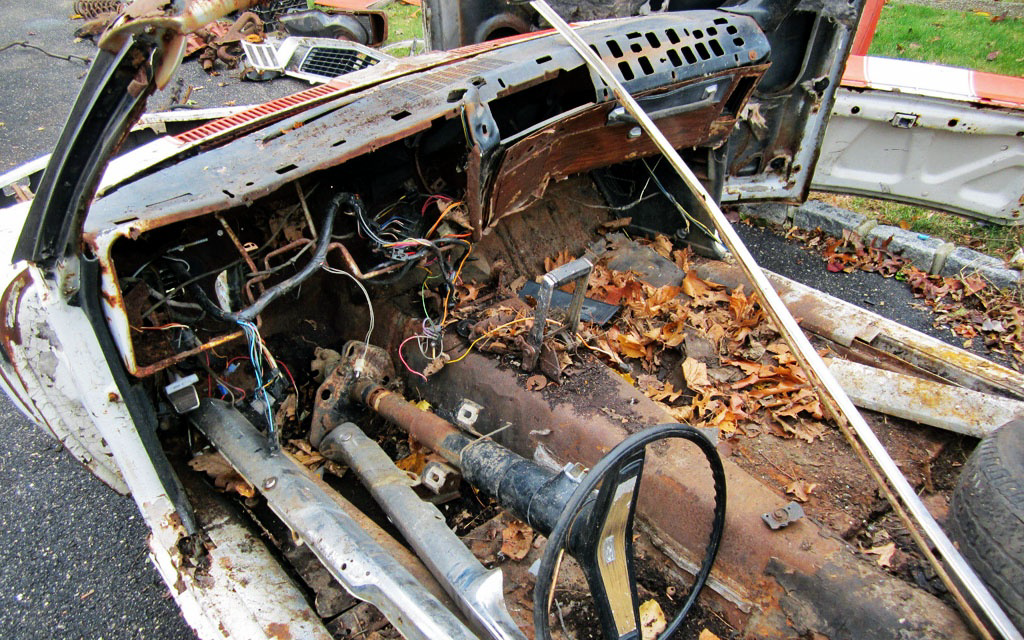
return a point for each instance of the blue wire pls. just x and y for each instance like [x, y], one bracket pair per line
[252, 336]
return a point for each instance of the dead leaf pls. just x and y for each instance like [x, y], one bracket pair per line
[471, 294]
[666, 394]
[884, 553]
[989, 325]
[615, 225]
[562, 257]
[703, 291]
[631, 346]
[287, 409]
[652, 620]
[516, 540]
[682, 259]
[306, 455]
[801, 489]
[706, 634]
[663, 246]
[224, 475]
[695, 373]
[992, 55]
[413, 463]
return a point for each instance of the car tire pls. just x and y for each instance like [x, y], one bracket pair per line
[987, 515]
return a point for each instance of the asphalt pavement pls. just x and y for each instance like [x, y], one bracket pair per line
[73, 561]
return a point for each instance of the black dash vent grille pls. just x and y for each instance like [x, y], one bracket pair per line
[330, 62]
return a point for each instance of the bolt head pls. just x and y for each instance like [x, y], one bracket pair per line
[270, 483]
[345, 437]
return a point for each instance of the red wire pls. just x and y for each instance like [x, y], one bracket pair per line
[430, 199]
[235, 359]
[209, 378]
[290, 378]
[402, 358]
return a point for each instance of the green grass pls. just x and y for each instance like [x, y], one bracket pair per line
[955, 38]
[405, 22]
[993, 240]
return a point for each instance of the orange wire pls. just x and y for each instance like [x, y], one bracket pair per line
[455, 281]
[441, 217]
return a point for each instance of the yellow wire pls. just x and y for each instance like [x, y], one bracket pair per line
[487, 335]
[491, 332]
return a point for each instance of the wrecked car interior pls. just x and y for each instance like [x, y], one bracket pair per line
[455, 343]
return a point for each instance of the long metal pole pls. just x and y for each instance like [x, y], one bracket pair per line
[834, 398]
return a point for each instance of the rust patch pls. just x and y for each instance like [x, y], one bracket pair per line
[554, 152]
[279, 630]
[10, 331]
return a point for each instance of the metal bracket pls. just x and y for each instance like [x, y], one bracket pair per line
[577, 271]
[467, 414]
[783, 516]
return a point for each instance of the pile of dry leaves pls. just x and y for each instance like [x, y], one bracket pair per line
[965, 303]
[709, 355]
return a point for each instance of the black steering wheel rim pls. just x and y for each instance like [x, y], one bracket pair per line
[558, 538]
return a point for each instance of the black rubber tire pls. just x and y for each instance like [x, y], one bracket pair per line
[987, 516]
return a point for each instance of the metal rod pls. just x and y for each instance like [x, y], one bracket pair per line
[832, 395]
[477, 590]
[427, 428]
[358, 563]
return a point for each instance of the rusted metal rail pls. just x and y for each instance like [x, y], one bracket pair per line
[839, 405]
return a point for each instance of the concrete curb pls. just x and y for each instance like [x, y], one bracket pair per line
[933, 255]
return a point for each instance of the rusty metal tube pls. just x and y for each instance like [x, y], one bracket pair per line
[427, 428]
[533, 493]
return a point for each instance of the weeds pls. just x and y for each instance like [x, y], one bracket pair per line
[985, 237]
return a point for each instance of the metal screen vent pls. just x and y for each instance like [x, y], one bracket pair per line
[261, 56]
[269, 11]
[312, 59]
[331, 62]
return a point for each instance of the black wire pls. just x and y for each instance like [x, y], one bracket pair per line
[69, 57]
[249, 313]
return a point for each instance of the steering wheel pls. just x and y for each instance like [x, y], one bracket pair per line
[596, 528]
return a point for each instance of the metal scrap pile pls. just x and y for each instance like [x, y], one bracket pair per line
[331, 37]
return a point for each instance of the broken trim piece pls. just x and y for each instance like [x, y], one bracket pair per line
[848, 325]
[939, 405]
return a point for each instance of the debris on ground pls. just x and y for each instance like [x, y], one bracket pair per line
[652, 620]
[224, 475]
[965, 304]
[516, 540]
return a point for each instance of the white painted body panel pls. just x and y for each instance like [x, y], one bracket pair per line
[941, 153]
